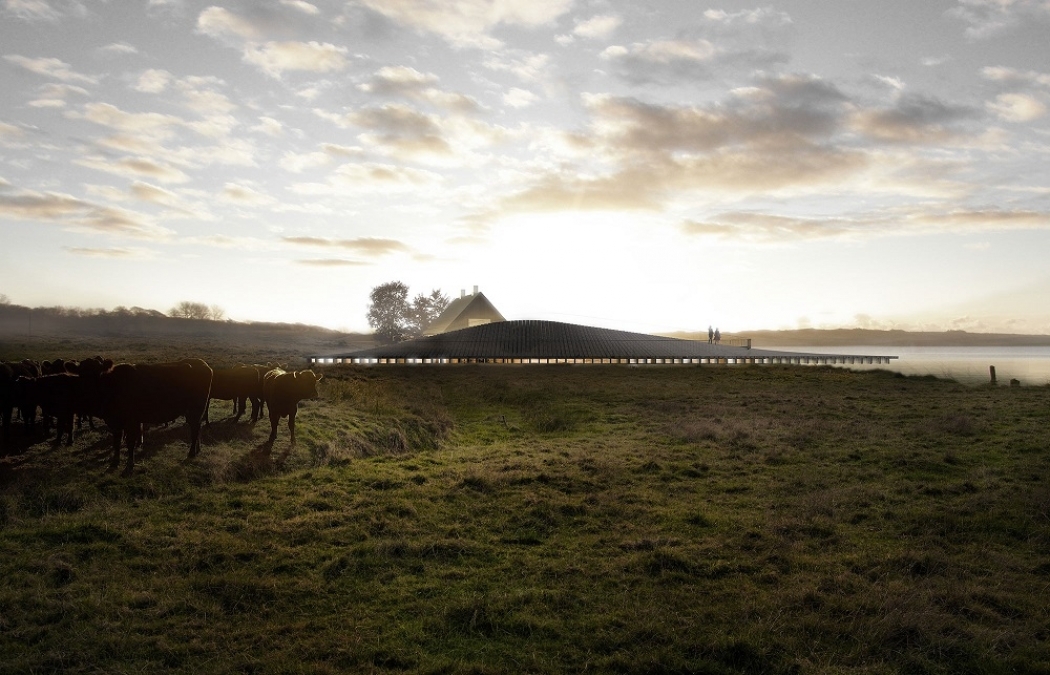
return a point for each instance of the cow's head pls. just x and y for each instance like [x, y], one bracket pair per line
[306, 383]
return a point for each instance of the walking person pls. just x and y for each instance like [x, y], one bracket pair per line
[710, 335]
[718, 336]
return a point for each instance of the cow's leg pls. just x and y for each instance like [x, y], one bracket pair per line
[5, 414]
[118, 437]
[238, 407]
[134, 438]
[65, 422]
[291, 425]
[275, 418]
[195, 438]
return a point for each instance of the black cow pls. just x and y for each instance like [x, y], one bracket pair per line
[282, 392]
[56, 395]
[133, 395]
[88, 397]
[9, 392]
[236, 384]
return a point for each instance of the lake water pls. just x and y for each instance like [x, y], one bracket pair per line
[1030, 365]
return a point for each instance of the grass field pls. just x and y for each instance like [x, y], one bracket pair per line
[548, 519]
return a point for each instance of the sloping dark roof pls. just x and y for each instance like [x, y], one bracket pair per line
[533, 339]
[461, 310]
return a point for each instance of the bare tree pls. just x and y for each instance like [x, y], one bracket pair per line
[190, 310]
[216, 313]
[4, 300]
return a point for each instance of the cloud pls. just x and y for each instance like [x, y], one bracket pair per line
[32, 10]
[302, 6]
[766, 16]
[406, 82]
[269, 126]
[892, 82]
[1016, 78]
[245, 195]
[218, 22]
[519, 98]
[273, 57]
[772, 228]
[111, 253]
[467, 23]
[914, 119]
[369, 178]
[601, 26]
[988, 18]
[8, 132]
[1017, 108]
[65, 209]
[684, 60]
[134, 167]
[784, 134]
[153, 81]
[364, 245]
[276, 58]
[762, 227]
[401, 130]
[119, 48]
[331, 262]
[297, 162]
[54, 95]
[781, 113]
[990, 219]
[623, 191]
[408, 134]
[526, 67]
[50, 67]
[153, 194]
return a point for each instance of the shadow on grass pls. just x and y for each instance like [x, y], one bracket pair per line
[257, 463]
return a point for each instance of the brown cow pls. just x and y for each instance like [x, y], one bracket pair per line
[282, 392]
[258, 405]
[132, 395]
[236, 384]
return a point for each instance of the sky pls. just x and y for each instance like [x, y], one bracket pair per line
[646, 166]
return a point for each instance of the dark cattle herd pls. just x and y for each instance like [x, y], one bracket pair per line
[127, 397]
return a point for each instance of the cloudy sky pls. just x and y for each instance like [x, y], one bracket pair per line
[648, 166]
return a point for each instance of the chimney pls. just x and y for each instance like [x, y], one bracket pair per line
[475, 290]
[462, 293]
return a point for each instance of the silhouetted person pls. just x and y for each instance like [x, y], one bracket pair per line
[718, 336]
[710, 335]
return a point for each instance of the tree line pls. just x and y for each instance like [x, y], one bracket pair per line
[183, 310]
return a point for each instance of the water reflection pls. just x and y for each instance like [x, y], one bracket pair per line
[1030, 365]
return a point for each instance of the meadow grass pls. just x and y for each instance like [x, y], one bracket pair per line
[549, 519]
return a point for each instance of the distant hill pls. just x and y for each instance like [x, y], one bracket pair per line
[814, 337]
[19, 323]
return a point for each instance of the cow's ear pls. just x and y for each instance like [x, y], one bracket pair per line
[320, 377]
